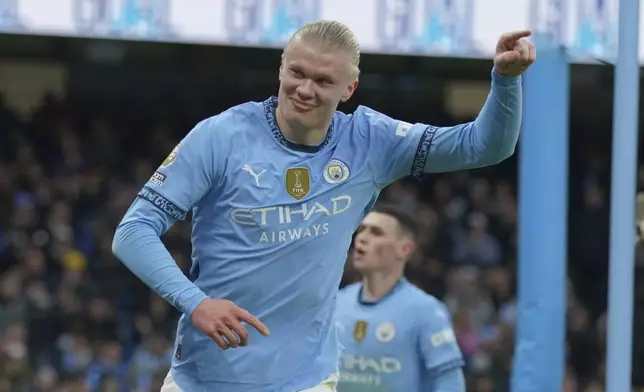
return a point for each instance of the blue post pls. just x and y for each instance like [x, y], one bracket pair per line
[623, 188]
[543, 212]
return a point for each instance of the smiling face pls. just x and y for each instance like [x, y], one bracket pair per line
[312, 84]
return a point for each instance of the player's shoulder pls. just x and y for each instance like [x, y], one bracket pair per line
[370, 115]
[419, 299]
[365, 120]
[233, 119]
[250, 109]
[349, 291]
[367, 111]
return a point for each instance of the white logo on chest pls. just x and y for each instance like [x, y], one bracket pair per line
[250, 171]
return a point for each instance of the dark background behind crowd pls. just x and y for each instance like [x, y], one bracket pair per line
[72, 318]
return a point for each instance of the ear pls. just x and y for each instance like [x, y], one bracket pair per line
[281, 66]
[349, 91]
[406, 249]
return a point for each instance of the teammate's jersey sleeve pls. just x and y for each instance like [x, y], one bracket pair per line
[437, 340]
[398, 149]
[183, 178]
[451, 380]
[187, 174]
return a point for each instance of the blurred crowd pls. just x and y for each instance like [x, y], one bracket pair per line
[73, 319]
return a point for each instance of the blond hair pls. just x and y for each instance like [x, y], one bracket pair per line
[330, 35]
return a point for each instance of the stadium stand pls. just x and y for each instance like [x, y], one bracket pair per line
[72, 318]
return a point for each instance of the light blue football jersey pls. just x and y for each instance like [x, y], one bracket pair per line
[272, 222]
[395, 344]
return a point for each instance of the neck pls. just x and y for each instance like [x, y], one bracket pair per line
[304, 136]
[378, 284]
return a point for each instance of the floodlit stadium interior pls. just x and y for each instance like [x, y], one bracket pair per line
[84, 123]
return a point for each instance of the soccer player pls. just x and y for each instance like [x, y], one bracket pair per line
[396, 337]
[277, 189]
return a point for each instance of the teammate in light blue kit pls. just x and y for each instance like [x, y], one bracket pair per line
[276, 189]
[396, 337]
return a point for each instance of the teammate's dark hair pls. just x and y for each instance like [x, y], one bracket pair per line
[407, 222]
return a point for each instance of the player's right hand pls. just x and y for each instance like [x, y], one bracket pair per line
[221, 320]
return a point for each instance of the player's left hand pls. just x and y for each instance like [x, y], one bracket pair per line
[514, 53]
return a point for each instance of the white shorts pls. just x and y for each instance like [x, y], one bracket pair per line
[327, 385]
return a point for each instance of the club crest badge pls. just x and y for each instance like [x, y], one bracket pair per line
[336, 172]
[385, 332]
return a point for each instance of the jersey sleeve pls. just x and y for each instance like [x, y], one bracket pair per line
[437, 340]
[187, 174]
[398, 149]
[451, 380]
[182, 179]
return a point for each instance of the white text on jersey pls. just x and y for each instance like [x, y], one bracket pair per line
[273, 217]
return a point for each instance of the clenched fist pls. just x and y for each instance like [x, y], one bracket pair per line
[221, 321]
[514, 54]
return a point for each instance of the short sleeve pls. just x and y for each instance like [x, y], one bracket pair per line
[187, 174]
[396, 148]
[438, 343]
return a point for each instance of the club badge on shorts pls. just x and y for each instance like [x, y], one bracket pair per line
[360, 330]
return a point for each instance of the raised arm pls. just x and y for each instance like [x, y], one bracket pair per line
[493, 136]
[488, 140]
[399, 148]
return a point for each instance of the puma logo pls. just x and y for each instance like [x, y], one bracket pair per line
[250, 171]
